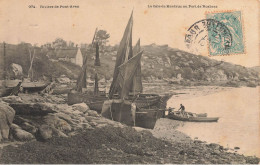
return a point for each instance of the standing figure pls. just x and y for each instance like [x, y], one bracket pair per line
[182, 108]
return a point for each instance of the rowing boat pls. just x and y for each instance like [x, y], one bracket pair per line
[191, 118]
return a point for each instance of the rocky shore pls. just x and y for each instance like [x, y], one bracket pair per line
[44, 129]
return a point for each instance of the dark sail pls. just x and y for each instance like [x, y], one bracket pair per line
[137, 86]
[137, 47]
[96, 91]
[126, 74]
[81, 81]
[123, 54]
[97, 60]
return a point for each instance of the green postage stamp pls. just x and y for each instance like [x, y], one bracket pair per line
[233, 21]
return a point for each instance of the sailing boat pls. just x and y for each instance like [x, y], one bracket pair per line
[134, 83]
[32, 86]
[93, 100]
[129, 107]
[14, 86]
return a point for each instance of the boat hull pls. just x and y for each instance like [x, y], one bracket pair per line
[126, 112]
[191, 118]
[96, 102]
[33, 87]
[146, 118]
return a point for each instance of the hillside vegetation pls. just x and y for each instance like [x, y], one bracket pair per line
[165, 62]
[158, 63]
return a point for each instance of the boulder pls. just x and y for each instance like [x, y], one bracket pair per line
[58, 133]
[63, 79]
[6, 119]
[54, 121]
[37, 109]
[89, 118]
[28, 127]
[54, 99]
[20, 134]
[64, 108]
[93, 113]
[82, 107]
[17, 70]
[77, 113]
[44, 133]
[12, 99]
[64, 116]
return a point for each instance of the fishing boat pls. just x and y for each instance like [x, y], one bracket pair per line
[95, 100]
[131, 107]
[33, 87]
[27, 86]
[191, 117]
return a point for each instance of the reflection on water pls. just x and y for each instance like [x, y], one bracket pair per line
[238, 125]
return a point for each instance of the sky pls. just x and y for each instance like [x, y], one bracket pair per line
[151, 25]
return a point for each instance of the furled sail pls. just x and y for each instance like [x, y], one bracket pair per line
[123, 54]
[97, 60]
[96, 91]
[81, 81]
[137, 86]
[126, 74]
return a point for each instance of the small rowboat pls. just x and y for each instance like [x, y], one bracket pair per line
[198, 114]
[191, 117]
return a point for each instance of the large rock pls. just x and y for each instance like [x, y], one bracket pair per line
[63, 79]
[20, 134]
[53, 126]
[12, 99]
[28, 127]
[44, 133]
[17, 70]
[82, 107]
[55, 122]
[6, 119]
[93, 113]
[40, 109]
[64, 116]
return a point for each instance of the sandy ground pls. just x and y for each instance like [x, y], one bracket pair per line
[164, 144]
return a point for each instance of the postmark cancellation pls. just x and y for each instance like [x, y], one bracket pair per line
[220, 33]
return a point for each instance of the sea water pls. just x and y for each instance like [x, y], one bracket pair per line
[239, 118]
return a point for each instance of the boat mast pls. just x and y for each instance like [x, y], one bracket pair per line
[96, 91]
[96, 64]
[4, 74]
[97, 60]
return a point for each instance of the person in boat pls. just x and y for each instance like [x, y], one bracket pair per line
[182, 108]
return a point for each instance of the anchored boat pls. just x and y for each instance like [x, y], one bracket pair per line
[191, 117]
[131, 107]
[132, 68]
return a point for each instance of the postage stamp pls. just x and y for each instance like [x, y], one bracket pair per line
[233, 21]
[209, 32]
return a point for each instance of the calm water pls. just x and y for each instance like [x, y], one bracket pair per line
[238, 109]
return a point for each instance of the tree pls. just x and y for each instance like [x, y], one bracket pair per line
[59, 43]
[101, 37]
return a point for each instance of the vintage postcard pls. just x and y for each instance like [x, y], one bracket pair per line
[129, 82]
